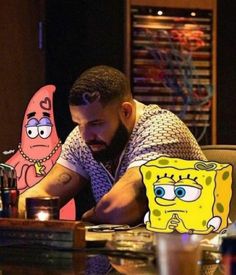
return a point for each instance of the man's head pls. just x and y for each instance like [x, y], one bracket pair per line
[100, 83]
[101, 104]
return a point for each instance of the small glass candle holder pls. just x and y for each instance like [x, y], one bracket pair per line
[133, 240]
[42, 208]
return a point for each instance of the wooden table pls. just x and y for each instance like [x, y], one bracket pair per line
[96, 258]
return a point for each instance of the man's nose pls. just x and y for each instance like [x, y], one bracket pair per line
[87, 134]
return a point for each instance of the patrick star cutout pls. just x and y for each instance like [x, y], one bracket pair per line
[40, 146]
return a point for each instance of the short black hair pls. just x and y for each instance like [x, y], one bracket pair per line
[101, 83]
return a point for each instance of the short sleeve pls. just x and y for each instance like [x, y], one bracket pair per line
[163, 134]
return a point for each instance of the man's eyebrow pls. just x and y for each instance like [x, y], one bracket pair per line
[88, 122]
[29, 115]
[95, 121]
[46, 114]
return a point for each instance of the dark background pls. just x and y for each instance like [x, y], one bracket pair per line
[81, 34]
[226, 73]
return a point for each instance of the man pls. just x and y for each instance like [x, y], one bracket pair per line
[114, 135]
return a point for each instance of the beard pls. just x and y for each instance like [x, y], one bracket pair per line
[116, 146]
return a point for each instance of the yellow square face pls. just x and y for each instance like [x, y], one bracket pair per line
[187, 196]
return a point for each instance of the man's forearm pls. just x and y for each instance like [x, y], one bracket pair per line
[125, 203]
[108, 212]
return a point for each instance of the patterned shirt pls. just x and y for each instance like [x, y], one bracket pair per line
[157, 132]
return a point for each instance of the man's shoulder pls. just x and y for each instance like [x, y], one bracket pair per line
[155, 110]
[153, 116]
[74, 137]
[160, 126]
[74, 145]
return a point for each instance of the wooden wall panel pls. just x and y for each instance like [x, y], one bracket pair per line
[21, 66]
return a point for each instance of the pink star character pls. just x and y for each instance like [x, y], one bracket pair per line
[40, 146]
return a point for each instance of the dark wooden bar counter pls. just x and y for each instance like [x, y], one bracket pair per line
[96, 257]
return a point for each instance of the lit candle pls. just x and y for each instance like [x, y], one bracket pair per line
[42, 208]
[42, 215]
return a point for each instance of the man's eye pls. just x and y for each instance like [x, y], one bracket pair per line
[96, 123]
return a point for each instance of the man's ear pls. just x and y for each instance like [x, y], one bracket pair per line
[126, 110]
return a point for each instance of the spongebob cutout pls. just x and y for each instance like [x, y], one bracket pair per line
[187, 196]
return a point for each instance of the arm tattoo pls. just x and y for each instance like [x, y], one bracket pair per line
[64, 178]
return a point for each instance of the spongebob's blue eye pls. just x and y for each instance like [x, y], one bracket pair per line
[159, 191]
[164, 191]
[187, 193]
[180, 192]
